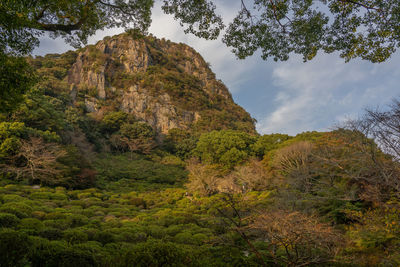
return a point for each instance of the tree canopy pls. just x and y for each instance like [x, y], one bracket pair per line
[356, 28]
[22, 22]
[16, 76]
[227, 147]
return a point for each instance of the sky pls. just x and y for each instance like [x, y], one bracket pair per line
[284, 97]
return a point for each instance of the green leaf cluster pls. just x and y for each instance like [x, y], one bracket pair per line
[227, 148]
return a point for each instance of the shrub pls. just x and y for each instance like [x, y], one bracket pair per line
[13, 248]
[8, 220]
[157, 253]
[122, 166]
[184, 238]
[31, 224]
[12, 198]
[199, 239]
[138, 202]
[41, 195]
[56, 215]
[94, 253]
[59, 196]
[75, 220]
[38, 214]
[58, 224]
[112, 121]
[46, 253]
[74, 236]
[19, 209]
[104, 237]
[57, 253]
[51, 233]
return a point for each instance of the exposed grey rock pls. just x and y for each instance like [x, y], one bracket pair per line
[97, 68]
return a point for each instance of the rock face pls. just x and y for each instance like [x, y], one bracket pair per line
[160, 112]
[168, 85]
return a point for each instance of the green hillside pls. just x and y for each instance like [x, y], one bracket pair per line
[111, 163]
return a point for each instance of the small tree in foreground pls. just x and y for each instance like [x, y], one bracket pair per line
[296, 239]
[37, 161]
[202, 178]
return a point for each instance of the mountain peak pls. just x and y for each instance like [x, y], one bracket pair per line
[166, 84]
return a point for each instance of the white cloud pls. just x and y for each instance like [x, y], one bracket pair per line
[317, 94]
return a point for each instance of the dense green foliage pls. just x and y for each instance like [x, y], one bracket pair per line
[357, 29]
[364, 29]
[230, 210]
[77, 189]
[227, 148]
[180, 142]
[16, 77]
[137, 171]
[268, 142]
[84, 188]
[109, 228]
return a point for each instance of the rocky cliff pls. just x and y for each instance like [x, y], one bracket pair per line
[166, 84]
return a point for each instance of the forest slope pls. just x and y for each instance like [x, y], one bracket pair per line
[130, 153]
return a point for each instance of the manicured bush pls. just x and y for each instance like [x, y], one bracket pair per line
[38, 214]
[104, 237]
[58, 253]
[58, 196]
[12, 198]
[55, 215]
[8, 220]
[41, 195]
[51, 233]
[74, 236]
[31, 224]
[14, 247]
[183, 238]
[157, 253]
[19, 209]
[112, 168]
[46, 253]
[58, 224]
[76, 220]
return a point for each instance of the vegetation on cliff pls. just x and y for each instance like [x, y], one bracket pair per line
[166, 84]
